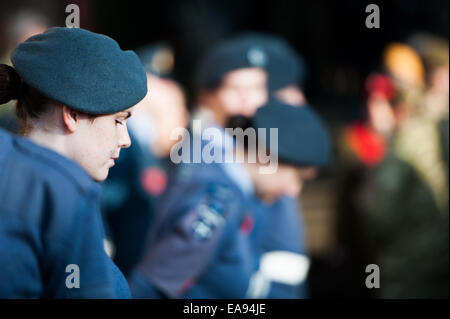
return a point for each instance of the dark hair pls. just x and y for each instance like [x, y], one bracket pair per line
[30, 103]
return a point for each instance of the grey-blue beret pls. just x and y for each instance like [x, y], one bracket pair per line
[229, 55]
[284, 65]
[303, 138]
[81, 69]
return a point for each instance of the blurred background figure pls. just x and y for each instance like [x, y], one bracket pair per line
[19, 27]
[434, 52]
[363, 145]
[404, 200]
[397, 153]
[285, 67]
[140, 176]
[166, 109]
[22, 25]
[286, 71]
[278, 222]
[264, 233]
[196, 247]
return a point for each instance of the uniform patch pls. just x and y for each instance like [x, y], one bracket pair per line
[154, 180]
[247, 224]
[208, 220]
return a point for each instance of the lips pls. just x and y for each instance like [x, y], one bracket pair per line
[113, 159]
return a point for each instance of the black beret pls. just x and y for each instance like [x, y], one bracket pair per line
[81, 69]
[157, 59]
[284, 65]
[303, 139]
[229, 55]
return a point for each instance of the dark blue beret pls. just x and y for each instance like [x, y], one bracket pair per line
[81, 69]
[284, 65]
[157, 59]
[229, 55]
[303, 138]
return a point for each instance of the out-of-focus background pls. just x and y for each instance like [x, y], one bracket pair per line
[345, 63]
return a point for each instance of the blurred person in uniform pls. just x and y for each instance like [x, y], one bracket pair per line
[19, 27]
[405, 198]
[285, 67]
[203, 245]
[201, 211]
[139, 177]
[286, 70]
[303, 147]
[75, 91]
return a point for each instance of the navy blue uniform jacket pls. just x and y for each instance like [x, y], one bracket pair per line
[50, 219]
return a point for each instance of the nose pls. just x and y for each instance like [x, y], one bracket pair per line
[247, 105]
[252, 101]
[125, 140]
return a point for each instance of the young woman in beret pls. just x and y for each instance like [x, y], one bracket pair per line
[75, 91]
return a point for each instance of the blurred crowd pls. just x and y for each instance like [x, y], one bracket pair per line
[394, 171]
[389, 171]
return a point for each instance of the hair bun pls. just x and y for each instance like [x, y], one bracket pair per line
[10, 84]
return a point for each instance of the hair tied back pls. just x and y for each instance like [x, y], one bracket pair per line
[11, 84]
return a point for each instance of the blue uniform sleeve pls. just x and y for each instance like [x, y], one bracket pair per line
[284, 263]
[286, 228]
[185, 241]
[182, 253]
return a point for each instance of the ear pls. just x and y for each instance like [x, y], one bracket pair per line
[70, 119]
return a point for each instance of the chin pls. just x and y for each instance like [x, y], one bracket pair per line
[100, 177]
[268, 197]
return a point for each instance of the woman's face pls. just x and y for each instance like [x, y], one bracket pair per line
[98, 142]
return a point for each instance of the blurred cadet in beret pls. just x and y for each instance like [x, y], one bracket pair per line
[286, 72]
[303, 139]
[286, 68]
[198, 227]
[75, 90]
[231, 80]
[302, 145]
[202, 245]
[166, 108]
[140, 176]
